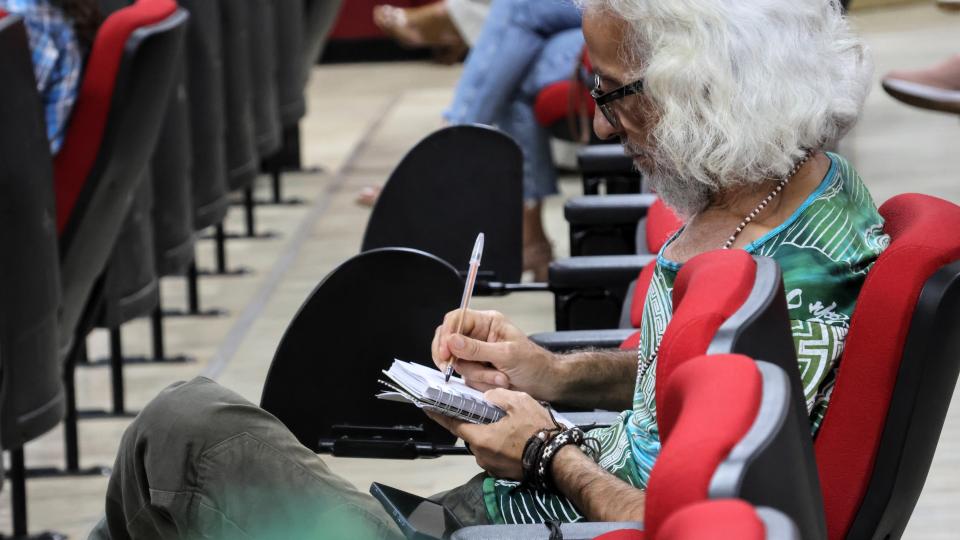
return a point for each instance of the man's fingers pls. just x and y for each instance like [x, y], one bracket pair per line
[480, 351]
[476, 373]
[463, 430]
[503, 398]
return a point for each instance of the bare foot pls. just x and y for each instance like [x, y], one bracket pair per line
[368, 196]
[424, 26]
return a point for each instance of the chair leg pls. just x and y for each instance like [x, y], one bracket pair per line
[221, 240]
[156, 327]
[248, 210]
[71, 441]
[116, 370]
[277, 181]
[193, 289]
[18, 492]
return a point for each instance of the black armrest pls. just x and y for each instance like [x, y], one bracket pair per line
[572, 340]
[597, 271]
[604, 159]
[590, 419]
[607, 209]
[571, 531]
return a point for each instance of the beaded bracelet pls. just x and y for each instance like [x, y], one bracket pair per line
[532, 451]
[543, 476]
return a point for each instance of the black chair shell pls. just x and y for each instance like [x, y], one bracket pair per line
[288, 16]
[146, 77]
[455, 183]
[237, 94]
[131, 285]
[262, 50]
[173, 207]
[31, 388]
[377, 306]
[205, 89]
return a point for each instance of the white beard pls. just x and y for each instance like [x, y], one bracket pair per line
[686, 196]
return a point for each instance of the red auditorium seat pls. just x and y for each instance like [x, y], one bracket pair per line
[112, 133]
[725, 519]
[718, 445]
[897, 376]
[565, 108]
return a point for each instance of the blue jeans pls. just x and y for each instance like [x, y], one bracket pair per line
[525, 45]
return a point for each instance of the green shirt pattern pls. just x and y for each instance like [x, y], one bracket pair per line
[824, 251]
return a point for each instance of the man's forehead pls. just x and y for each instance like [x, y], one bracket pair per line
[604, 35]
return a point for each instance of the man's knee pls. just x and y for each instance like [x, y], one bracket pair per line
[192, 411]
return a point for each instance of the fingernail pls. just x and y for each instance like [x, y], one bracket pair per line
[500, 380]
[457, 342]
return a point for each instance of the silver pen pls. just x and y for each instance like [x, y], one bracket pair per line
[467, 293]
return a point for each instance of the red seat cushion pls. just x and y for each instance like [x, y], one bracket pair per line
[708, 290]
[924, 237]
[662, 222]
[558, 101]
[81, 145]
[704, 409]
[725, 519]
[622, 534]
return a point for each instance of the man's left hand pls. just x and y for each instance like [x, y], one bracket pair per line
[498, 447]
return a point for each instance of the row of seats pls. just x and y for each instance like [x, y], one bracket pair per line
[150, 155]
[895, 386]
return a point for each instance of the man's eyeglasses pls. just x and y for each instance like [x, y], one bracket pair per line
[605, 100]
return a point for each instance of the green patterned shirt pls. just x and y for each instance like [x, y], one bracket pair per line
[824, 250]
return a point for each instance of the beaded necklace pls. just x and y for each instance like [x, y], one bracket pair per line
[644, 364]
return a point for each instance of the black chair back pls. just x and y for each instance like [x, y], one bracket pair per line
[143, 86]
[262, 51]
[237, 95]
[756, 469]
[173, 186]
[377, 306]
[205, 93]
[457, 182]
[31, 388]
[131, 286]
[289, 17]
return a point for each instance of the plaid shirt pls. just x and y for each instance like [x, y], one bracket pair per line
[57, 61]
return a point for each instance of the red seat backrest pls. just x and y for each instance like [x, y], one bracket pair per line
[718, 283]
[556, 102]
[724, 519]
[925, 235]
[700, 421]
[662, 222]
[76, 159]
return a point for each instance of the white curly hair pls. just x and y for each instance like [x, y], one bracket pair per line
[741, 88]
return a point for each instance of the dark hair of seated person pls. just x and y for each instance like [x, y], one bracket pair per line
[86, 17]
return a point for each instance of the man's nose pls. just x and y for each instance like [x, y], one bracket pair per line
[602, 127]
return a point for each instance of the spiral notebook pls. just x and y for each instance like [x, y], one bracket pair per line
[423, 386]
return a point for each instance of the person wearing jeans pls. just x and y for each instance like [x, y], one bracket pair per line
[524, 46]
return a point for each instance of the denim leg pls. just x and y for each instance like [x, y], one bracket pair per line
[556, 63]
[513, 37]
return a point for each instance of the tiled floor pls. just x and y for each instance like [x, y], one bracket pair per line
[362, 119]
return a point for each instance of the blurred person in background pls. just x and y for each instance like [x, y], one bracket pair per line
[936, 88]
[449, 27]
[525, 45]
[61, 33]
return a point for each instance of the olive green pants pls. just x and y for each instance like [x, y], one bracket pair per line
[202, 462]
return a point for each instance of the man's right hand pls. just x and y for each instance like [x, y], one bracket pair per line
[493, 353]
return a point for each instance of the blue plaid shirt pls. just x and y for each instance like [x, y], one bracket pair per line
[57, 61]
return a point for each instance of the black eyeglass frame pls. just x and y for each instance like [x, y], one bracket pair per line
[604, 100]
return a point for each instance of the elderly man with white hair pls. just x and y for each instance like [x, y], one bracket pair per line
[724, 106]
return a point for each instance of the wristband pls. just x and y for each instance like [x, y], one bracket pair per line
[543, 474]
[531, 454]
